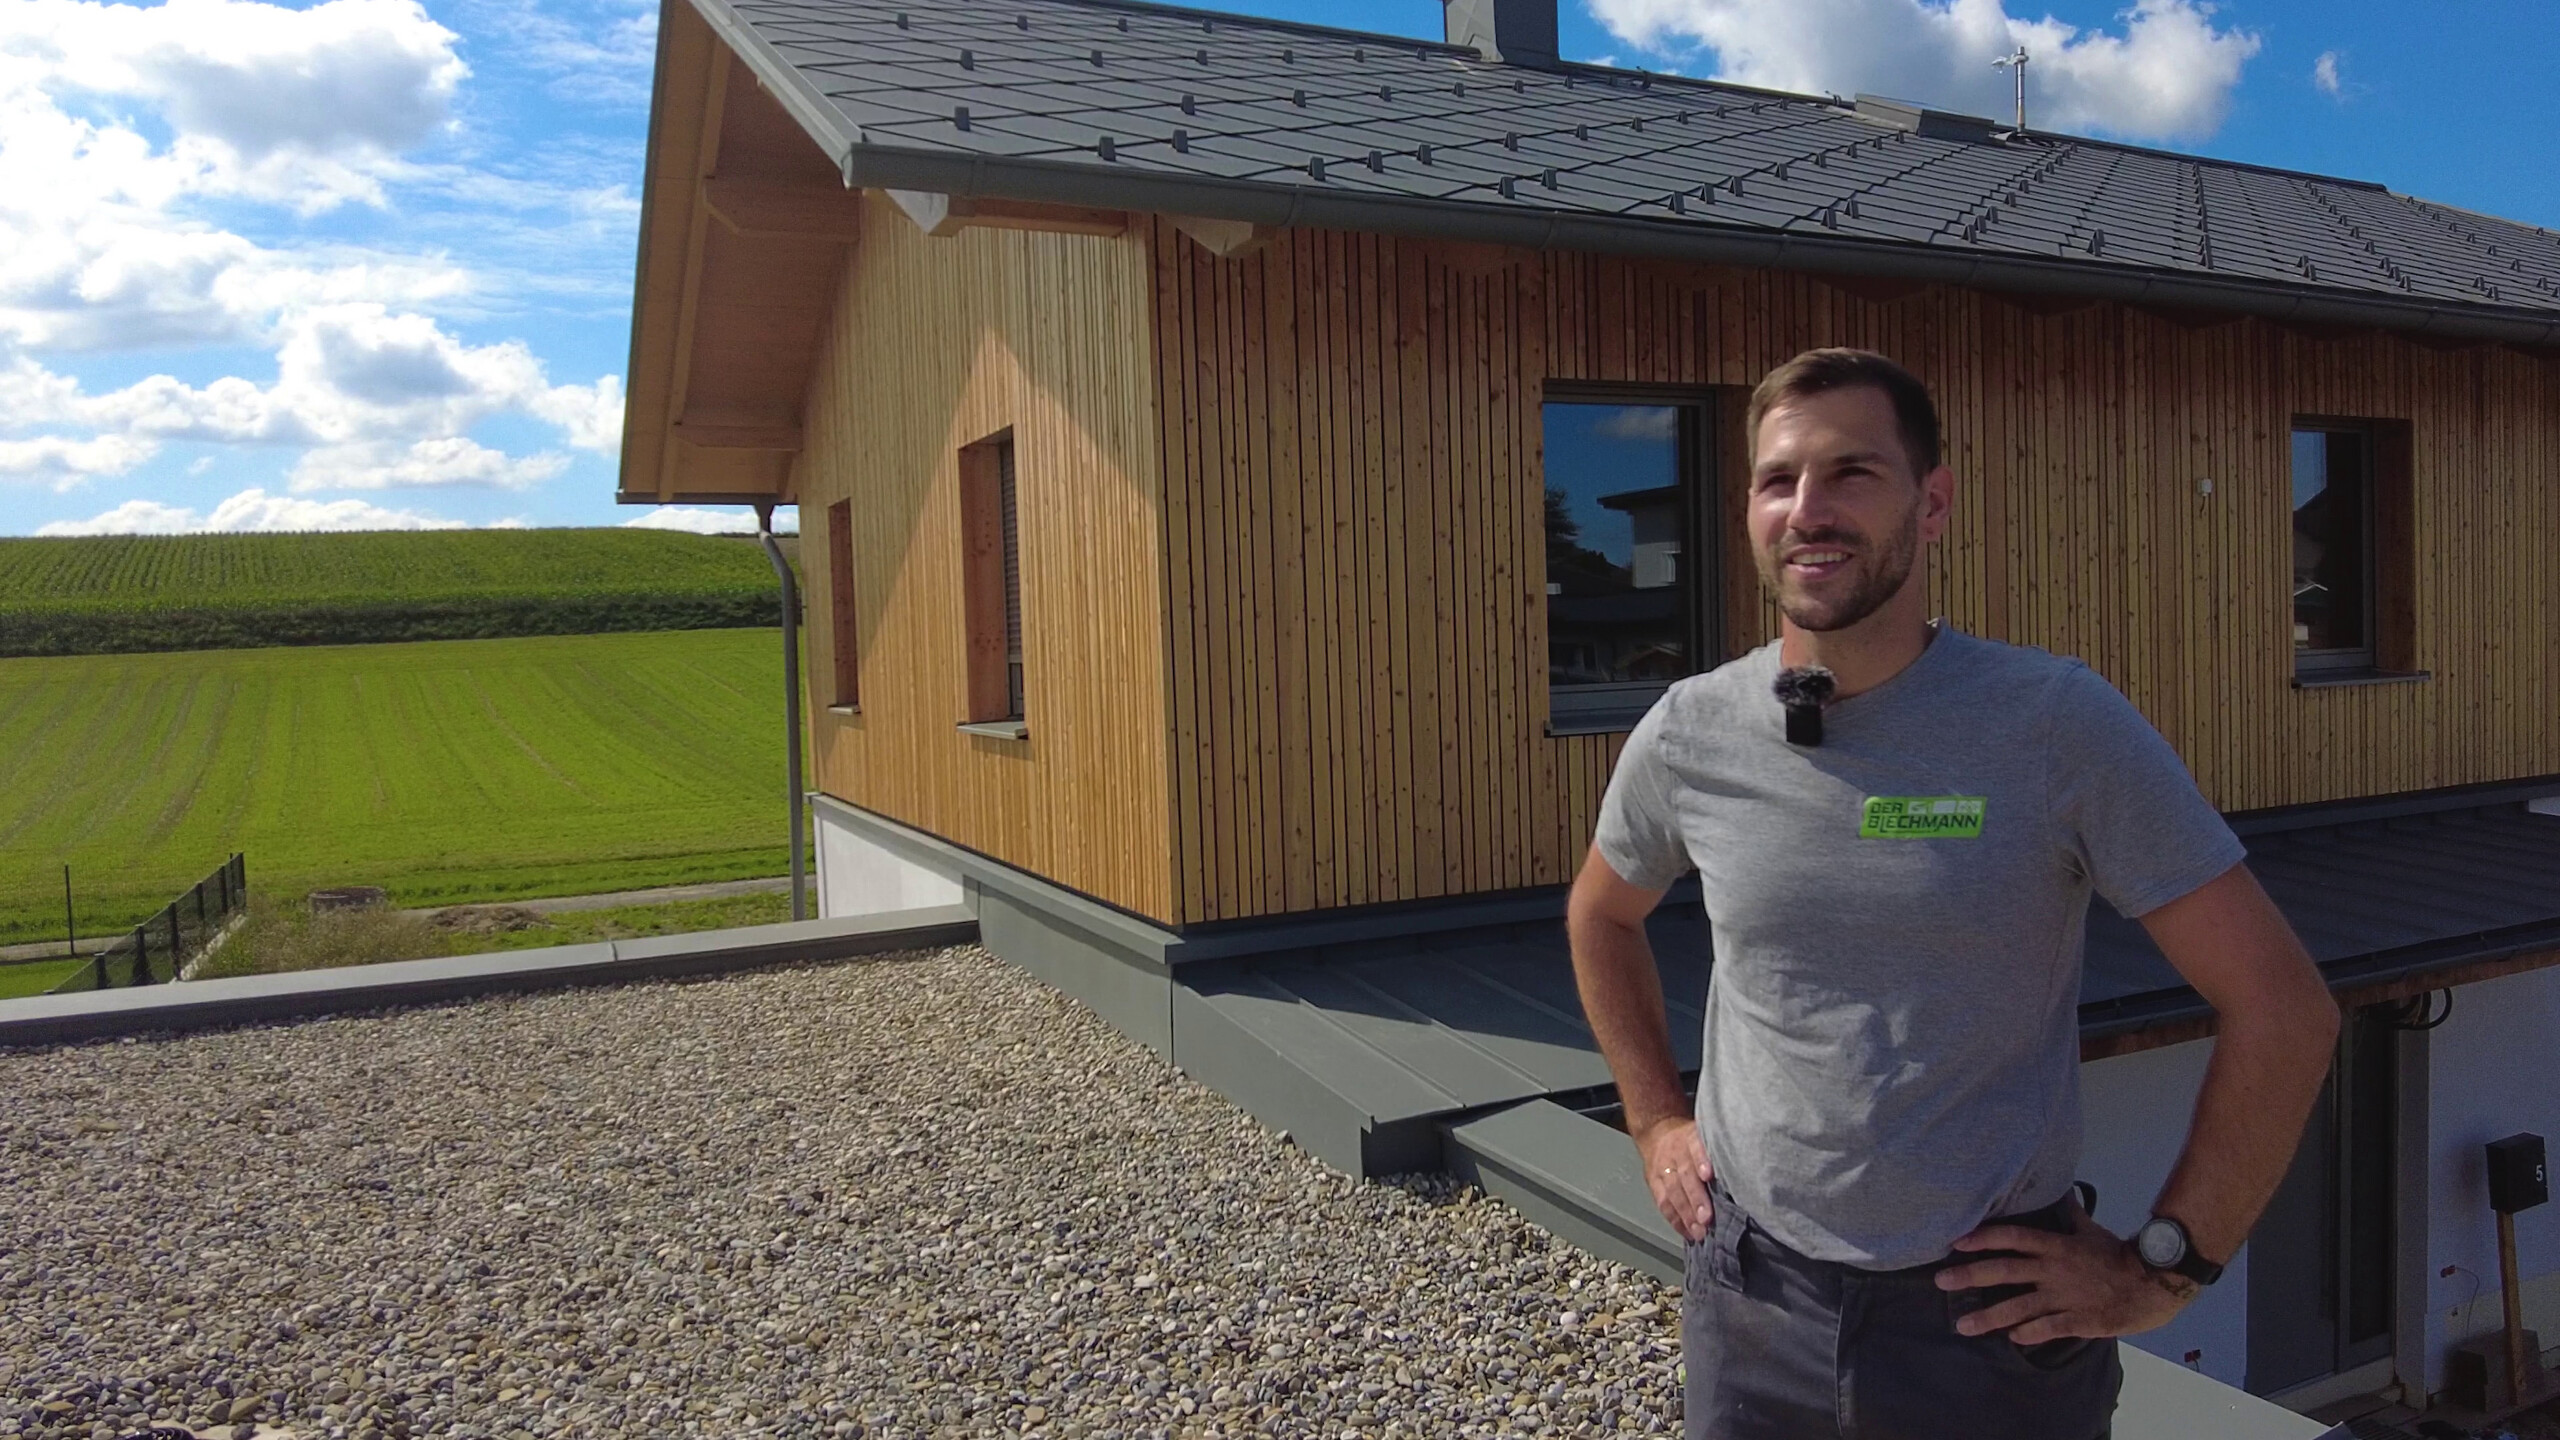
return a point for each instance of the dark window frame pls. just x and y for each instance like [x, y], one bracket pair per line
[1600, 709]
[2359, 659]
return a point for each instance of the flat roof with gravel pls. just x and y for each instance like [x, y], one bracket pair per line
[916, 1195]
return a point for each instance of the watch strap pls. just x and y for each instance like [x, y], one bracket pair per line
[2190, 1262]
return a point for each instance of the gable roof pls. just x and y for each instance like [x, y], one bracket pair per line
[1145, 107]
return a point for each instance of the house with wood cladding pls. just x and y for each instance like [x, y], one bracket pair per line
[1252, 476]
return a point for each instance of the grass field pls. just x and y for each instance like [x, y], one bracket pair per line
[444, 770]
[280, 936]
[34, 977]
[124, 593]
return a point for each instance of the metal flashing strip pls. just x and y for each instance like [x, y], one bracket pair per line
[266, 999]
[2391, 807]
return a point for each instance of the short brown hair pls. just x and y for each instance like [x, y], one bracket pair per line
[1817, 371]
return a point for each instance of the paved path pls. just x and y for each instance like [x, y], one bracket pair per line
[89, 945]
[558, 904]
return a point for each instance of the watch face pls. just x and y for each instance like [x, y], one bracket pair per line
[2161, 1242]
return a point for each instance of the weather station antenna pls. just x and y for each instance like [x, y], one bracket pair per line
[2017, 64]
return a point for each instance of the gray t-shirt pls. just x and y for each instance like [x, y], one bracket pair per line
[1892, 1039]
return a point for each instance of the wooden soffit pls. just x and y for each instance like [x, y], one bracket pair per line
[745, 229]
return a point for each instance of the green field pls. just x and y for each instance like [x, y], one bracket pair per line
[445, 770]
[34, 977]
[124, 593]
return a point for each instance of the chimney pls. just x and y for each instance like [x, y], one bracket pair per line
[1515, 32]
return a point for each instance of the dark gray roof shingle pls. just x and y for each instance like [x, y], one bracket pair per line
[1152, 107]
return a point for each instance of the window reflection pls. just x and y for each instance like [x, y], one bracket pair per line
[1619, 580]
[2332, 539]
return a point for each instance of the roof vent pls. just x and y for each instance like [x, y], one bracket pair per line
[1920, 120]
[1515, 32]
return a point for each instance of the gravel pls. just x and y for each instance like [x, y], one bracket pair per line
[919, 1195]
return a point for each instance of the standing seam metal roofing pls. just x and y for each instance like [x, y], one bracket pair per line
[1137, 106]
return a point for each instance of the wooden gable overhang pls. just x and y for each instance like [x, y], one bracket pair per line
[744, 229]
[746, 226]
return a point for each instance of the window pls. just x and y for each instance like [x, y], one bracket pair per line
[1627, 577]
[2332, 548]
[842, 635]
[2350, 527]
[991, 584]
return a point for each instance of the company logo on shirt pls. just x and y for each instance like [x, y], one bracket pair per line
[1922, 817]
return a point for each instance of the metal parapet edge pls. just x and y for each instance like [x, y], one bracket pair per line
[265, 999]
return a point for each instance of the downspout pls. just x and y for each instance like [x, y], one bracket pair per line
[790, 708]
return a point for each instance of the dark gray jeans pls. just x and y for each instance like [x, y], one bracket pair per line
[1780, 1347]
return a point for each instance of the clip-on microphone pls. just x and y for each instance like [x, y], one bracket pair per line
[1802, 689]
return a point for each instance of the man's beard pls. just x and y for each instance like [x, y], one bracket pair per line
[1879, 577]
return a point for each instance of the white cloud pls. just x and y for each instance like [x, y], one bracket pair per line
[452, 460]
[67, 462]
[99, 245]
[2324, 75]
[387, 399]
[1641, 422]
[701, 521]
[2169, 74]
[251, 509]
[598, 52]
[308, 107]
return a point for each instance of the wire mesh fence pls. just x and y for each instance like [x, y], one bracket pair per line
[159, 948]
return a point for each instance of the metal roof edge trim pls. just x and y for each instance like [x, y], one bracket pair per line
[2133, 1014]
[2494, 794]
[803, 101]
[975, 175]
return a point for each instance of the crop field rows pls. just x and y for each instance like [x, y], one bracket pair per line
[444, 770]
[127, 593]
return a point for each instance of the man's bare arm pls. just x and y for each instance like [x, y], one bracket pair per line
[2276, 1032]
[1621, 990]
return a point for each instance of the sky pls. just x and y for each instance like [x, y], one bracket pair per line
[367, 264]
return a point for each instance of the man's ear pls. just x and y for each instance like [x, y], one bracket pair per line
[1937, 502]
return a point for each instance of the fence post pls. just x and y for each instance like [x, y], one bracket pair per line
[141, 952]
[177, 949]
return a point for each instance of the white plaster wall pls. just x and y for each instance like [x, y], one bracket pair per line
[857, 876]
[2494, 1069]
[2136, 1108]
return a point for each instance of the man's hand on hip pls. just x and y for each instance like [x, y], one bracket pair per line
[1676, 1167]
[2088, 1283]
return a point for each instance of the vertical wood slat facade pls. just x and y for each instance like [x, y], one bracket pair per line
[933, 345]
[1355, 564]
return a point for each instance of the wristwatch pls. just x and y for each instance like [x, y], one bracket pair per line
[2163, 1245]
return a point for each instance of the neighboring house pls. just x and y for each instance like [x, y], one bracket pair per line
[1253, 475]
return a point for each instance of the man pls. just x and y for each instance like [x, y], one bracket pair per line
[1877, 1184]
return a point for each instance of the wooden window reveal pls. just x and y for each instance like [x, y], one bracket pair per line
[844, 637]
[991, 580]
